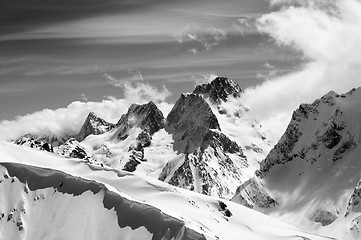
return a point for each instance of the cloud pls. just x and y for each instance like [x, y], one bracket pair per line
[135, 87]
[328, 37]
[68, 120]
[84, 97]
[203, 78]
[205, 37]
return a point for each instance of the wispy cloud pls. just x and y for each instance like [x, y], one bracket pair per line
[330, 44]
[206, 38]
[134, 86]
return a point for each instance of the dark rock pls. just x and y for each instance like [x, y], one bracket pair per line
[147, 116]
[35, 142]
[219, 89]
[93, 125]
[190, 120]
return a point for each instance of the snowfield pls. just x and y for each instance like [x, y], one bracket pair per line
[45, 196]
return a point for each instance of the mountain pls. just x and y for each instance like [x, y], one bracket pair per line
[311, 176]
[149, 119]
[211, 163]
[127, 145]
[219, 89]
[208, 143]
[93, 125]
[148, 176]
[46, 196]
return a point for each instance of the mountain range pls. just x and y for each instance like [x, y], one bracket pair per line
[207, 170]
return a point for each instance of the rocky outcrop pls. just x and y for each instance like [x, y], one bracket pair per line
[219, 89]
[354, 203]
[150, 120]
[147, 117]
[323, 216]
[252, 194]
[34, 142]
[73, 149]
[93, 125]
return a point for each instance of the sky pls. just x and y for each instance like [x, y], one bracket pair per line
[56, 52]
[61, 59]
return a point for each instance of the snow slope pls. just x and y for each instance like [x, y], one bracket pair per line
[45, 196]
[309, 178]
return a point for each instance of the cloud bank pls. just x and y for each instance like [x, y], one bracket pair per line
[68, 121]
[328, 36]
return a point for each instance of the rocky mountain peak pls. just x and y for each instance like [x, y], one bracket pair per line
[95, 125]
[189, 120]
[150, 120]
[323, 127]
[209, 157]
[146, 116]
[219, 89]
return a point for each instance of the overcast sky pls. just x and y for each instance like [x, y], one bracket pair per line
[56, 52]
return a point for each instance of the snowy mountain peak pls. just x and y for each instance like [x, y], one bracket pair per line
[328, 127]
[311, 173]
[219, 89]
[95, 125]
[146, 116]
[210, 162]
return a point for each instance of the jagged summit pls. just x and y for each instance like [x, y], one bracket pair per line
[219, 89]
[190, 120]
[93, 125]
[327, 127]
[209, 157]
[146, 116]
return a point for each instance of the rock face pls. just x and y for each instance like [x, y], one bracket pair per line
[354, 204]
[189, 121]
[93, 125]
[219, 89]
[149, 119]
[34, 142]
[313, 170]
[253, 195]
[73, 149]
[323, 216]
[211, 162]
[314, 129]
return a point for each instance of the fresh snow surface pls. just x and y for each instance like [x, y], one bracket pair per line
[70, 203]
[114, 153]
[238, 123]
[313, 187]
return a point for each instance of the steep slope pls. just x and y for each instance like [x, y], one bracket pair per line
[93, 125]
[45, 196]
[211, 163]
[309, 177]
[219, 141]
